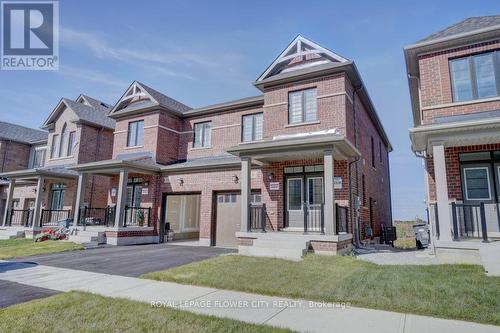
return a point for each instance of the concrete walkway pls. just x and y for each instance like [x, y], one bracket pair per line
[293, 314]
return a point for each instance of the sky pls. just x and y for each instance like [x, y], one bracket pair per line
[205, 52]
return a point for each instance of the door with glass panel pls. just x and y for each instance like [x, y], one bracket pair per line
[314, 195]
[134, 193]
[294, 202]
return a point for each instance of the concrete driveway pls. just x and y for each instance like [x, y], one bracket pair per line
[131, 260]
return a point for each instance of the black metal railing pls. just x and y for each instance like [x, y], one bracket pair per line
[341, 218]
[314, 218]
[137, 216]
[19, 217]
[257, 217]
[469, 221]
[53, 217]
[90, 216]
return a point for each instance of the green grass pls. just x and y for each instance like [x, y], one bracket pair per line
[83, 312]
[449, 291]
[23, 247]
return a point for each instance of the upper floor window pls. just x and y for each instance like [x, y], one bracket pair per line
[475, 77]
[252, 127]
[54, 146]
[71, 143]
[64, 138]
[302, 106]
[135, 133]
[202, 134]
[38, 160]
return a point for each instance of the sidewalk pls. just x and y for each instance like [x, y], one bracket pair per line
[276, 311]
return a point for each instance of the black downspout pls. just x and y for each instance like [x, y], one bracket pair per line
[390, 191]
[357, 234]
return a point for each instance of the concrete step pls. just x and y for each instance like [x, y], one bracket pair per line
[83, 237]
[490, 259]
[281, 243]
[294, 254]
[11, 234]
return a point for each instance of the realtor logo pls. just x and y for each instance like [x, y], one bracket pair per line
[30, 35]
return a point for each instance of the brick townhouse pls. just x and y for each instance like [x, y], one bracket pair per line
[42, 192]
[273, 174]
[454, 80]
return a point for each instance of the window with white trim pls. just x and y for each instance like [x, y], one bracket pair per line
[252, 127]
[302, 106]
[54, 146]
[477, 183]
[202, 134]
[135, 133]
[64, 138]
[475, 77]
[38, 160]
[71, 143]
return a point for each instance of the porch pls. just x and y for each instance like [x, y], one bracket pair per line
[299, 173]
[128, 216]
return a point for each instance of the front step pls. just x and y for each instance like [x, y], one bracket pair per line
[87, 236]
[489, 258]
[11, 234]
[294, 254]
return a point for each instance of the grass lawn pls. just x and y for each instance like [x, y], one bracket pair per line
[83, 312]
[448, 291]
[23, 247]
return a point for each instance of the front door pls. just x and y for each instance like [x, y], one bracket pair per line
[134, 192]
[294, 202]
[314, 202]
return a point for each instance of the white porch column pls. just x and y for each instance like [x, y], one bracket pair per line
[329, 212]
[8, 203]
[441, 181]
[121, 199]
[246, 171]
[80, 196]
[38, 203]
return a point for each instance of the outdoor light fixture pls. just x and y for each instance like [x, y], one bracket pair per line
[146, 183]
[180, 181]
[271, 176]
[235, 179]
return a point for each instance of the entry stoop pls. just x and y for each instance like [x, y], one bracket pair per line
[88, 237]
[11, 233]
[289, 249]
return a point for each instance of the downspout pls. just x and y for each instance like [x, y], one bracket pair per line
[356, 205]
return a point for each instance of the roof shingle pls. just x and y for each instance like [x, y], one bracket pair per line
[21, 134]
[468, 25]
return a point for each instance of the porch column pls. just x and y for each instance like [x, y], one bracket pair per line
[121, 199]
[329, 212]
[38, 203]
[8, 203]
[80, 196]
[441, 181]
[246, 171]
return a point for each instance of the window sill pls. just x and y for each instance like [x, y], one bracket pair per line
[134, 147]
[200, 148]
[303, 124]
[60, 158]
[249, 142]
[448, 105]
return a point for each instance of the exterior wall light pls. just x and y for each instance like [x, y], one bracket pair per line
[235, 179]
[271, 176]
[180, 181]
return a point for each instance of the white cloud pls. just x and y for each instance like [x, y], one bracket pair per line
[92, 76]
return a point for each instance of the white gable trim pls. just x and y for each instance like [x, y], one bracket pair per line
[135, 93]
[57, 110]
[286, 55]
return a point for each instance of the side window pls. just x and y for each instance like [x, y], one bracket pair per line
[477, 184]
[71, 143]
[54, 145]
[202, 134]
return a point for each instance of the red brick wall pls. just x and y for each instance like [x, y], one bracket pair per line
[13, 156]
[96, 144]
[436, 87]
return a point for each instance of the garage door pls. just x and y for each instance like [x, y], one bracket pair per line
[183, 214]
[228, 219]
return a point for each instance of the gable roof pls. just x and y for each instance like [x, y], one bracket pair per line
[140, 96]
[299, 54]
[87, 113]
[21, 134]
[468, 25]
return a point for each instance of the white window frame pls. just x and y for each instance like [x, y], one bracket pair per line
[205, 126]
[465, 183]
[35, 150]
[252, 116]
[303, 106]
[322, 189]
[288, 194]
[71, 143]
[54, 146]
[136, 142]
